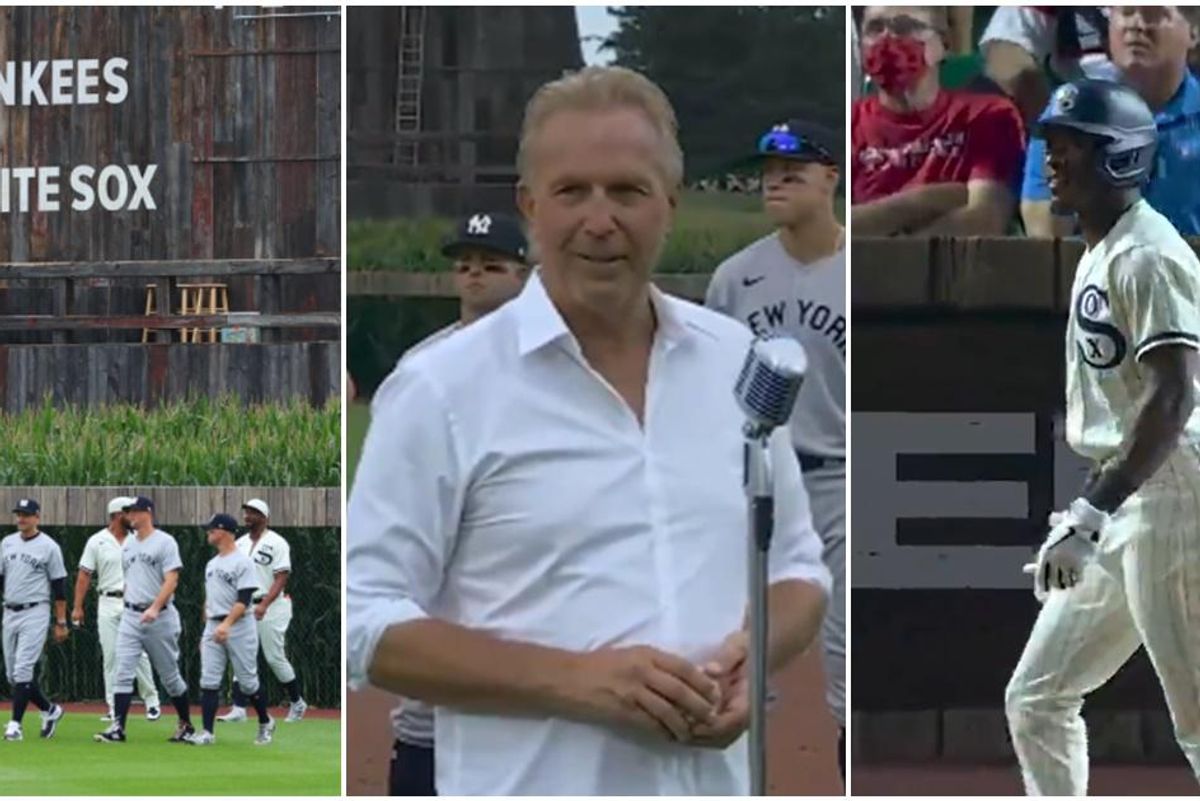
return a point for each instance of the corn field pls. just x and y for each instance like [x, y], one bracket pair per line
[201, 442]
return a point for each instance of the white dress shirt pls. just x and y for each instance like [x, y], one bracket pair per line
[505, 486]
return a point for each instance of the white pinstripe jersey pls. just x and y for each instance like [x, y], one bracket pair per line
[1136, 290]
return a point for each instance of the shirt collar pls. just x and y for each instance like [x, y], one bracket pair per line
[539, 322]
[1119, 228]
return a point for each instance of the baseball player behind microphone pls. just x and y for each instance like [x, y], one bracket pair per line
[792, 283]
[31, 571]
[101, 561]
[230, 582]
[152, 564]
[272, 557]
[1120, 567]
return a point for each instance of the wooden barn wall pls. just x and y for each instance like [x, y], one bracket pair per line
[481, 65]
[153, 374]
[242, 119]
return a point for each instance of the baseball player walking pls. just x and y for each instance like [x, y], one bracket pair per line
[272, 607]
[230, 582]
[1121, 566]
[490, 269]
[793, 283]
[150, 623]
[31, 571]
[101, 561]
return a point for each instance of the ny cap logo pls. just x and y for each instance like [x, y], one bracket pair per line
[479, 224]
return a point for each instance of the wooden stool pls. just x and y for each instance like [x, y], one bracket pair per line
[201, 299]
[151, 300]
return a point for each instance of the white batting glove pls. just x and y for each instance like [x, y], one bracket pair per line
[1031, 568]
[1070, 546]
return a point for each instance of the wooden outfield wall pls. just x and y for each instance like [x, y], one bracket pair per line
[291, 507]
[149, 375]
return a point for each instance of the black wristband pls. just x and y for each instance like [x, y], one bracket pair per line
[1109, 490]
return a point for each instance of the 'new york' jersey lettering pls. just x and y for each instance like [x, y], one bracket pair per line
[774, 295]
[147, 563]
[28, 566]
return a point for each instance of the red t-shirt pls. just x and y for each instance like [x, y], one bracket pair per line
[962, 136]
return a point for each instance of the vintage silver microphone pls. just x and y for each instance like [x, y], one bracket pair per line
[766, 391]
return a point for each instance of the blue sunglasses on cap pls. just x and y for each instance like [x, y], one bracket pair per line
[781, 141]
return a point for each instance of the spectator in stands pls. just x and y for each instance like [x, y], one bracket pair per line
[1149, 46]
[1027, 48]
[927, 160]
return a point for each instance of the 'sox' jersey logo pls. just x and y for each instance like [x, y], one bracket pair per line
[1101, 344]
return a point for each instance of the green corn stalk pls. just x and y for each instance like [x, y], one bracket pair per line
[199, 442]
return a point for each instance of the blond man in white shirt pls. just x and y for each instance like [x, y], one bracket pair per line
[101, 561]
[547, 527]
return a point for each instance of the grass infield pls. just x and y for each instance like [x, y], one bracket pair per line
[304, 759]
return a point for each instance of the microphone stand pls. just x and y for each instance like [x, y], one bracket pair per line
[761, 503]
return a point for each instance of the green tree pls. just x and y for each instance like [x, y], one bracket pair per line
[732, 71]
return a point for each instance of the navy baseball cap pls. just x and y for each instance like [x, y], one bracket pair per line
[222, 521]
[797, 140]
[27, 506]
[140, 504]
[484, 230]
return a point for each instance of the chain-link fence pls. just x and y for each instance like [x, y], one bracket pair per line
[74, 670]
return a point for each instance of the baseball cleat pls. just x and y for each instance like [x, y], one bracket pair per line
[296, 712]
[153, 713]
[200, 738]
[114, 735]
[266, 732]
[13, 731]
[110, 716]
[235, 714]
[50, 721]
[182, 732]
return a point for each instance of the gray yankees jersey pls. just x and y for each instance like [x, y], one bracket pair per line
[774, 294]
[28, 567]
[146, 564]
[224, 575]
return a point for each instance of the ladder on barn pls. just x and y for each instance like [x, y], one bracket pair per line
[409, 74]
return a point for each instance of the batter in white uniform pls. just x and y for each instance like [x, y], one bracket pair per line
[101, 561]
[272, 607]
[1121, 567]
[793, 283]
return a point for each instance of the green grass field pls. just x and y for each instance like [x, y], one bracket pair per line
[709, 227]
[358, 415]
[304, 759]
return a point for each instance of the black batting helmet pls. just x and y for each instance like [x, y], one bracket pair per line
[1117, 115]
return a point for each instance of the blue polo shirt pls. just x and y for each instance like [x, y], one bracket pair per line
[1172, 189]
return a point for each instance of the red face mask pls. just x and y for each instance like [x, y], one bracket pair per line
[895, 63]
